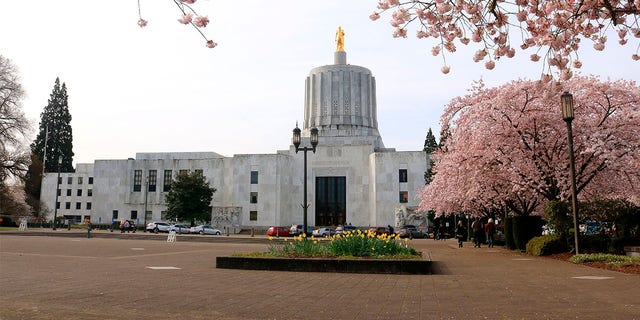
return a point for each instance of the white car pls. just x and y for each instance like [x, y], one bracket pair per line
[205, 229]
[158, 226]
[180, 228]
[323, 232]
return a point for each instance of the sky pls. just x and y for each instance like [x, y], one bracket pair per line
[159, 89]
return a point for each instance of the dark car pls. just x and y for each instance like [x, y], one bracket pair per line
[379, 230]
[410, 231]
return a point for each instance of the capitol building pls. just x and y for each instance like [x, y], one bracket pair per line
[352, 178]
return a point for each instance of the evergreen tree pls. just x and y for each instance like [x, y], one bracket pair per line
[189, 198]
[55, 128]
[430, 145]
[33, 183]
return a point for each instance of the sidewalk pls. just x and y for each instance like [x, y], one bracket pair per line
[62, 277]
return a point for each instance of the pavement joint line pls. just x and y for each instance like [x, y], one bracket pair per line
[163, 268]
[592, 278]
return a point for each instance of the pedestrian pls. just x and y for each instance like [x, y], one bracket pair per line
[441, 231]
[489, 229]
[461, 233]
[127, 226]
[476, 226]
[121, 226]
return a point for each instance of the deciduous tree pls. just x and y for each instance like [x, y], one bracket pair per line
[189, 198]
[508, 145]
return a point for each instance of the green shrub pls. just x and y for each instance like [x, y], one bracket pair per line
[545, 245]
[595, 243]
[612, 259]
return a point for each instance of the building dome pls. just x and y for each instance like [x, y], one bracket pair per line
[340, 100]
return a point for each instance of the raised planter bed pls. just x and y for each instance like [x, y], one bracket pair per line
[632, 251]
[383, 266]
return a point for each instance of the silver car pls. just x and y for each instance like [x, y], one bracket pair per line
[205, 229]
[180, 228]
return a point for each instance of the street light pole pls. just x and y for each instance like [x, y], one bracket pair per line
[566, 100]
[296, 142]
[146, 191]
[55, 211]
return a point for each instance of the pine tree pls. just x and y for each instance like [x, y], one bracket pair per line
[55, 128]
[430, 145]
[189, 198]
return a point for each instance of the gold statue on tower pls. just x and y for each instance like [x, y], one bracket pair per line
[339, 39]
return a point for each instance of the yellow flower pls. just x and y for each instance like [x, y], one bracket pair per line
[373, 248]
[315, 241]
[270, 238]
[406, 239]
[304, 235]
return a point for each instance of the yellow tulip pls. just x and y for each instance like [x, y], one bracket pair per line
[270, 238]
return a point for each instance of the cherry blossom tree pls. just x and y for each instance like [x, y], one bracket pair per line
[188, 16]
[507, 146]
[555, 29]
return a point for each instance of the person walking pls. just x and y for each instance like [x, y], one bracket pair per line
[461, 233]
[476, 226]
[490, 229]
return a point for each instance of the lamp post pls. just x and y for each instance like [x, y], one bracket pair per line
[55, 211]
[146, 191]
[566, 100]
[296, 142]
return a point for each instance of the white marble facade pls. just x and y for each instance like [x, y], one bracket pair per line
[361, 182]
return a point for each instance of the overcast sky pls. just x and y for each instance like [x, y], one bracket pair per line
[159, 89]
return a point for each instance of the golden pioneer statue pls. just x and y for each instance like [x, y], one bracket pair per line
[340, 39]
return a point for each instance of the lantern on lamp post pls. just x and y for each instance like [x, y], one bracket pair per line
[566, 101]
[296, 140]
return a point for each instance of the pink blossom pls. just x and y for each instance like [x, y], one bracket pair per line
[577, 64]
[464, 41]
[186, 18]
[598, 46]
[211, 44]
[445, 69]
[635, 57]
[490, 64]
[142, 23]
[374, 16]
[435, 50]
[400, 33]
[201, 21]
[188, 1]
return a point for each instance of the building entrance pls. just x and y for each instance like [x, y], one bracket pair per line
[331, 201]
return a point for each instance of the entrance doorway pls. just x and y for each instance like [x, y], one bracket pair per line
[331, 201]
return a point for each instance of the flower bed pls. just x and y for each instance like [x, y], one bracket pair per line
[353, 252]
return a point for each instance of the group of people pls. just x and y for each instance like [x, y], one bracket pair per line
[478, 228]
[128, 226]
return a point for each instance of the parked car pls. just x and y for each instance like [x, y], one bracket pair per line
[410, 231]
[323, 232]
[296, 229]
[205, 229]
[278, 231]
[180, 228]
[344, 229]
[158, 227]
[379, 230]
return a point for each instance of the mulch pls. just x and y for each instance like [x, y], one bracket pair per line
[632, 269]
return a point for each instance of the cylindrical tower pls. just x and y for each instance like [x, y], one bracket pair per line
[340, 100]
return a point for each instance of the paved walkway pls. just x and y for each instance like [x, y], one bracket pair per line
[112, 277]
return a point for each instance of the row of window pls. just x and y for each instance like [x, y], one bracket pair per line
[70, 180]
[152, 179]
[67, 205]
[78, 192]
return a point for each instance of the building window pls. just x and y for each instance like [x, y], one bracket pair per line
[69, 180]
[58, 204]
[90, 180]
[137, 180]
[134, 214]
[253, 215]
[403, 175]
[79, 193]
[59, 192]
[254, 177]
[253, 198]
[404, 196]
[89, 192]
[60, 180]
[88, 205]
[114, 215]
[166, 186]
[78, 205]
[68, 192]
[153, 180]
[67, 205]
[79, 180]
[199, 172]
[183, 172]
